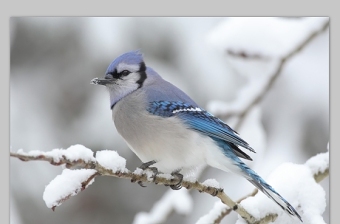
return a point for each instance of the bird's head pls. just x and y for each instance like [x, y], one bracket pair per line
[124, 75]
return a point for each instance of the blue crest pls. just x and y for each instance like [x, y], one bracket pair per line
[131, 57]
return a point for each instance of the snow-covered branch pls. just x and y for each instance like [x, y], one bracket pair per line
[83, 166]
[106, 163]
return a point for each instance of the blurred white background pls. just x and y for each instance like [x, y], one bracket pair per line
[53, 105]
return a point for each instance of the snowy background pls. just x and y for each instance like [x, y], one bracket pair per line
[221, 63]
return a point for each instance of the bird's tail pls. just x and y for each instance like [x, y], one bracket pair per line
[268, 190]
[231, 162]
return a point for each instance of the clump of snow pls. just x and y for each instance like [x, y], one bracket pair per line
[67, 184]
[111, 160]
[138, 171]
[180, 201]
[297, 185]
[263, 36]
[73, 153]
[211, 183]
[213, 214]
[319, 163]
[76, 152]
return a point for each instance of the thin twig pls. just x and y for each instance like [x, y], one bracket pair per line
[241, 115]
[276, 74]
[227, 211]
[51, 160]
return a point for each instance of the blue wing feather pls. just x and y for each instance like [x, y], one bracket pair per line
[199, 120]
[224, 136]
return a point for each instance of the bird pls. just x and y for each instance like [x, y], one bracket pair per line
[168, 131]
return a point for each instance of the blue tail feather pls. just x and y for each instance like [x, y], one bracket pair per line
[256, 180]
[269, 191]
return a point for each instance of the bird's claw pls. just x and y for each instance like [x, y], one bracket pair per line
[155, 172]
[145, 166]
[140, 183]
[179, 184]
[176, 186]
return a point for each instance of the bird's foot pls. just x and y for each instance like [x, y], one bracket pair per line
[140, 183]
[155, 172]
[179, 184]
[145, 166]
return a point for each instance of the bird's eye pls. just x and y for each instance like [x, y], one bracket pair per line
[124, 73]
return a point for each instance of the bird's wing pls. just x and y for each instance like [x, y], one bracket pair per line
[198, 119]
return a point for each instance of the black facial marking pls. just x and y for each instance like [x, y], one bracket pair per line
[117, 75]
[142, 73]
[113, 74]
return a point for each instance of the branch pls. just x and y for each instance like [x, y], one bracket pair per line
[137, 175]
[91, 167]
[321, 175]
[227, 211]
[269, 83]
[52, 160]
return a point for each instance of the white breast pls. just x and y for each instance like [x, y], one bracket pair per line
[165, 140]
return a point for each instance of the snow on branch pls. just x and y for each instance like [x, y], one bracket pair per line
[76, 154]
[68, 184]
[109, 163]
[85, 167]
[319, 165]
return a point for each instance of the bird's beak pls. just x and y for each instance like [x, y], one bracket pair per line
[104, 82]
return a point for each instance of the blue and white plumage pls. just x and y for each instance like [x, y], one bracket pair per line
[160, 123]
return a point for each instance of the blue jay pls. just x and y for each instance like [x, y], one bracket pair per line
[167, 130]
